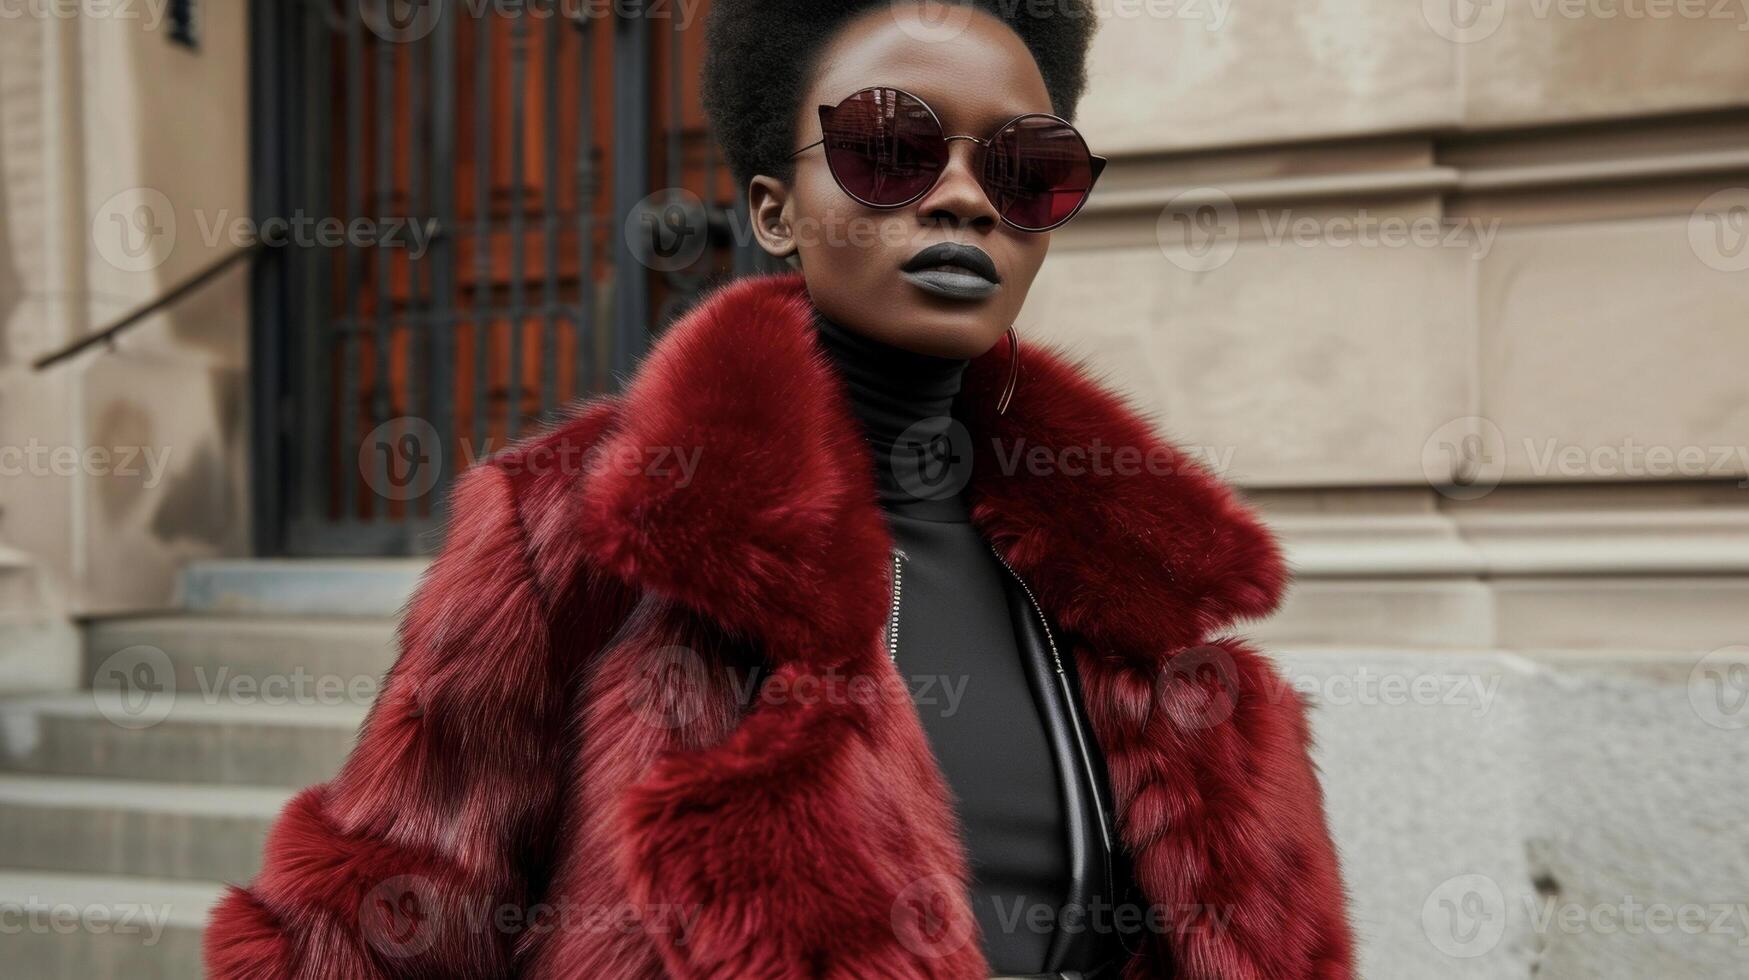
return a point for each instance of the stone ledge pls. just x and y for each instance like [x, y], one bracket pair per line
[293, 587]
[1712, 541]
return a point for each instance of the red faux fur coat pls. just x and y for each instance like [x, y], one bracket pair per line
[566, 775]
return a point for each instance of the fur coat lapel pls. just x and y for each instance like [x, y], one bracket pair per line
[819, 830]
[777, 530]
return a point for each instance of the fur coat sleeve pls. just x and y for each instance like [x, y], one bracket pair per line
[376, 873]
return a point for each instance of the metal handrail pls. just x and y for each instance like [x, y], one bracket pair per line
[109, 333]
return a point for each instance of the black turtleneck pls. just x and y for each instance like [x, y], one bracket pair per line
[957, 647]
[904, 401]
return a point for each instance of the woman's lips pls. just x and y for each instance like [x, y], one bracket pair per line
[952, 282]
[954, 270]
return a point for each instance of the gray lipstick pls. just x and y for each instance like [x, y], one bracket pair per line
[951, 283]
[954, 270]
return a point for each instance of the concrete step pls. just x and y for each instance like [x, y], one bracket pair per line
[83, 927]
[300, 586]
[93, 734]
[113, 826]
[240, 659]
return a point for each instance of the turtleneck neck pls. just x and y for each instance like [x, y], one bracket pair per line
[904, 401]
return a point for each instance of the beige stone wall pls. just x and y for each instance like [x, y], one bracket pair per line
[124, 161]
[1566, 191]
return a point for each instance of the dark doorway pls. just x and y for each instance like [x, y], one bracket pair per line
[486, 208]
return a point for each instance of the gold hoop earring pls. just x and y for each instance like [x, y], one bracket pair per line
[1013, 372]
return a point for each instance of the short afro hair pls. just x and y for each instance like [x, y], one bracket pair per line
[760, 57]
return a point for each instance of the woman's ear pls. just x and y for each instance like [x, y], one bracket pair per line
[768, 204]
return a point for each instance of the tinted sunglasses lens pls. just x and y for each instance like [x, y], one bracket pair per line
[1037, 171]
[884, 147]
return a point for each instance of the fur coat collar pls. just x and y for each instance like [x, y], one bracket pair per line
[726, 510]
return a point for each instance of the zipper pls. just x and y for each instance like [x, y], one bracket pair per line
[893, 613]
[1051, 640]
[1074, 724]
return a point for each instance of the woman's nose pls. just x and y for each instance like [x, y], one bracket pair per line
[957, 195]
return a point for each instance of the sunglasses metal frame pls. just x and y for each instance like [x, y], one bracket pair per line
[1097, 162]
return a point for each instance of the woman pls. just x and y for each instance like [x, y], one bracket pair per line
[853, 640]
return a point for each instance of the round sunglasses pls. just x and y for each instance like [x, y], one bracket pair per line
[885, 148]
